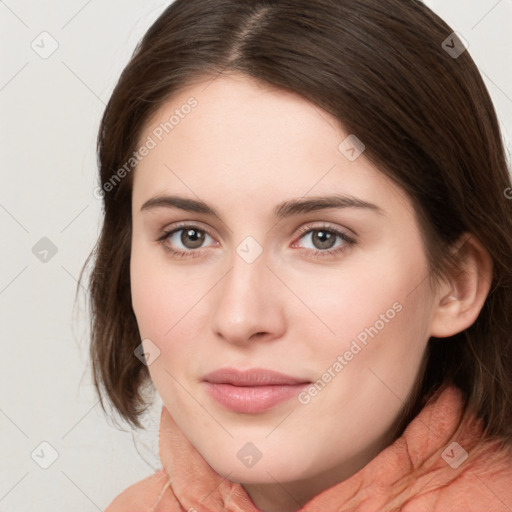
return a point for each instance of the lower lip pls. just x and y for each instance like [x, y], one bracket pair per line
[252, 399]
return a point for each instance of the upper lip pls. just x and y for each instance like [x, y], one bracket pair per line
[252, 377]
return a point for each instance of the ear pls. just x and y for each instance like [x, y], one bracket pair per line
[462, 293]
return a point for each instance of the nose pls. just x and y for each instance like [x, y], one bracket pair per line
[249, 303]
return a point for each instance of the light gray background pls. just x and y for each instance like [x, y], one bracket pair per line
[50, 110]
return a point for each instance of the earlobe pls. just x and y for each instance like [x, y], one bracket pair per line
[463, 293]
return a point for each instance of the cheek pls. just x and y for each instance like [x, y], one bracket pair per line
[163, 306]
[171, 307]
[378, 313]
[159, 296]
[147, 301]
[356, 300]
[351, 300]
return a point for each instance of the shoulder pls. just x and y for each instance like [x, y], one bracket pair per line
[144, 495]
[478, 481]
[485, 481]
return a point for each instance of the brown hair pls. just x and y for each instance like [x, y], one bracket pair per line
[380, 68]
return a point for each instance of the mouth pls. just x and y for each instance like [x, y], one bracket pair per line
[252, 391]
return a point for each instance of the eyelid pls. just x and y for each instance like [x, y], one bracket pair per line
[303, 229]
[168, 230]
[327, 227]
[307, 228]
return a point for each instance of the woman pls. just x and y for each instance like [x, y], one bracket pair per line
[306, 252]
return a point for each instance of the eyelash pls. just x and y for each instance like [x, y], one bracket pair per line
[195, 253]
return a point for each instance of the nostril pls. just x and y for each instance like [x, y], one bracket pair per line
[260, 333]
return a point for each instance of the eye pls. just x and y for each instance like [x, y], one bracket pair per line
[187, 240]
[323, 240]
[184, 240]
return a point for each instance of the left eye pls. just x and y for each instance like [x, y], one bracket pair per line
[324, 239]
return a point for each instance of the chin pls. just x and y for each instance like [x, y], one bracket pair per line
[265, 471]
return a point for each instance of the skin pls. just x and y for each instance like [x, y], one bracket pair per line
[243, 150]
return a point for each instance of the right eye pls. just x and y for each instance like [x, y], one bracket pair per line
[189, 236]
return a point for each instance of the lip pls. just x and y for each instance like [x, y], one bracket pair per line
[253, 390]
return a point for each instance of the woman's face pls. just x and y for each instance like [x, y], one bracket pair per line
[333, 293]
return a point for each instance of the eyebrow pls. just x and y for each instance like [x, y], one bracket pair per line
[283, 210]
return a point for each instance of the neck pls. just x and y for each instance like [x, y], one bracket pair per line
[291, 496]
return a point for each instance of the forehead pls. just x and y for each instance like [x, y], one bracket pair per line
[249, 139]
